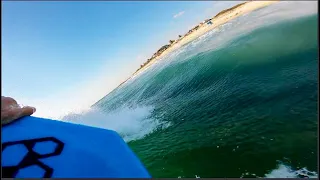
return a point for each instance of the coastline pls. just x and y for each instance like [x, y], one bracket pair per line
[219, 19]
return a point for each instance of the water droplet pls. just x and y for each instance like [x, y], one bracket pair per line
[217, 146]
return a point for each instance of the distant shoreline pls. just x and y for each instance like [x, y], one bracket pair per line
[207, 25]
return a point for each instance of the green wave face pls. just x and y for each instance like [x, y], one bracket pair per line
[233, 109]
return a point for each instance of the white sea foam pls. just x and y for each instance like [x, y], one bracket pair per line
[131, 124]
[285, 171]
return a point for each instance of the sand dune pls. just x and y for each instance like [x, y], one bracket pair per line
[220, 19]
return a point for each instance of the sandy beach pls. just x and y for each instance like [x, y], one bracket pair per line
[220, 19]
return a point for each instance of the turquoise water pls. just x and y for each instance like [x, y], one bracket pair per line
[235, 108]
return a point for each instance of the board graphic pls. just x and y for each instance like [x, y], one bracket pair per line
[32, 151]
[35, 147]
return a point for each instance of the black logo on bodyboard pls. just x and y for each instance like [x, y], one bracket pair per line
[31, 156]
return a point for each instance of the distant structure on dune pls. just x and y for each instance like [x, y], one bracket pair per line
[206, 22]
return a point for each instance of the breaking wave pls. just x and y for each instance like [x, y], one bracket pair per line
[131, 124]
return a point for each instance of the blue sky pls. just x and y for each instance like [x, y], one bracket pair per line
[59, 55]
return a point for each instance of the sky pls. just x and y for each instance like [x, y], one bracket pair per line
[64, 56]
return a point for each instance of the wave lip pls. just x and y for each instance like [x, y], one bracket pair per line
[130, 123]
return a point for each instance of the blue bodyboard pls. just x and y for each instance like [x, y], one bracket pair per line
[35, 148]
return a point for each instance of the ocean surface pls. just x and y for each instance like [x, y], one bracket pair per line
[239, 101]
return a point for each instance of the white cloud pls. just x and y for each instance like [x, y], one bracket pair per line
[141, 57]
[178, 14]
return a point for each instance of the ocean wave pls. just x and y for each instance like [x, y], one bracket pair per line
[223, 34]
[131, 124]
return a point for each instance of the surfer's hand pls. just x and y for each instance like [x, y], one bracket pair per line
[10, 110]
